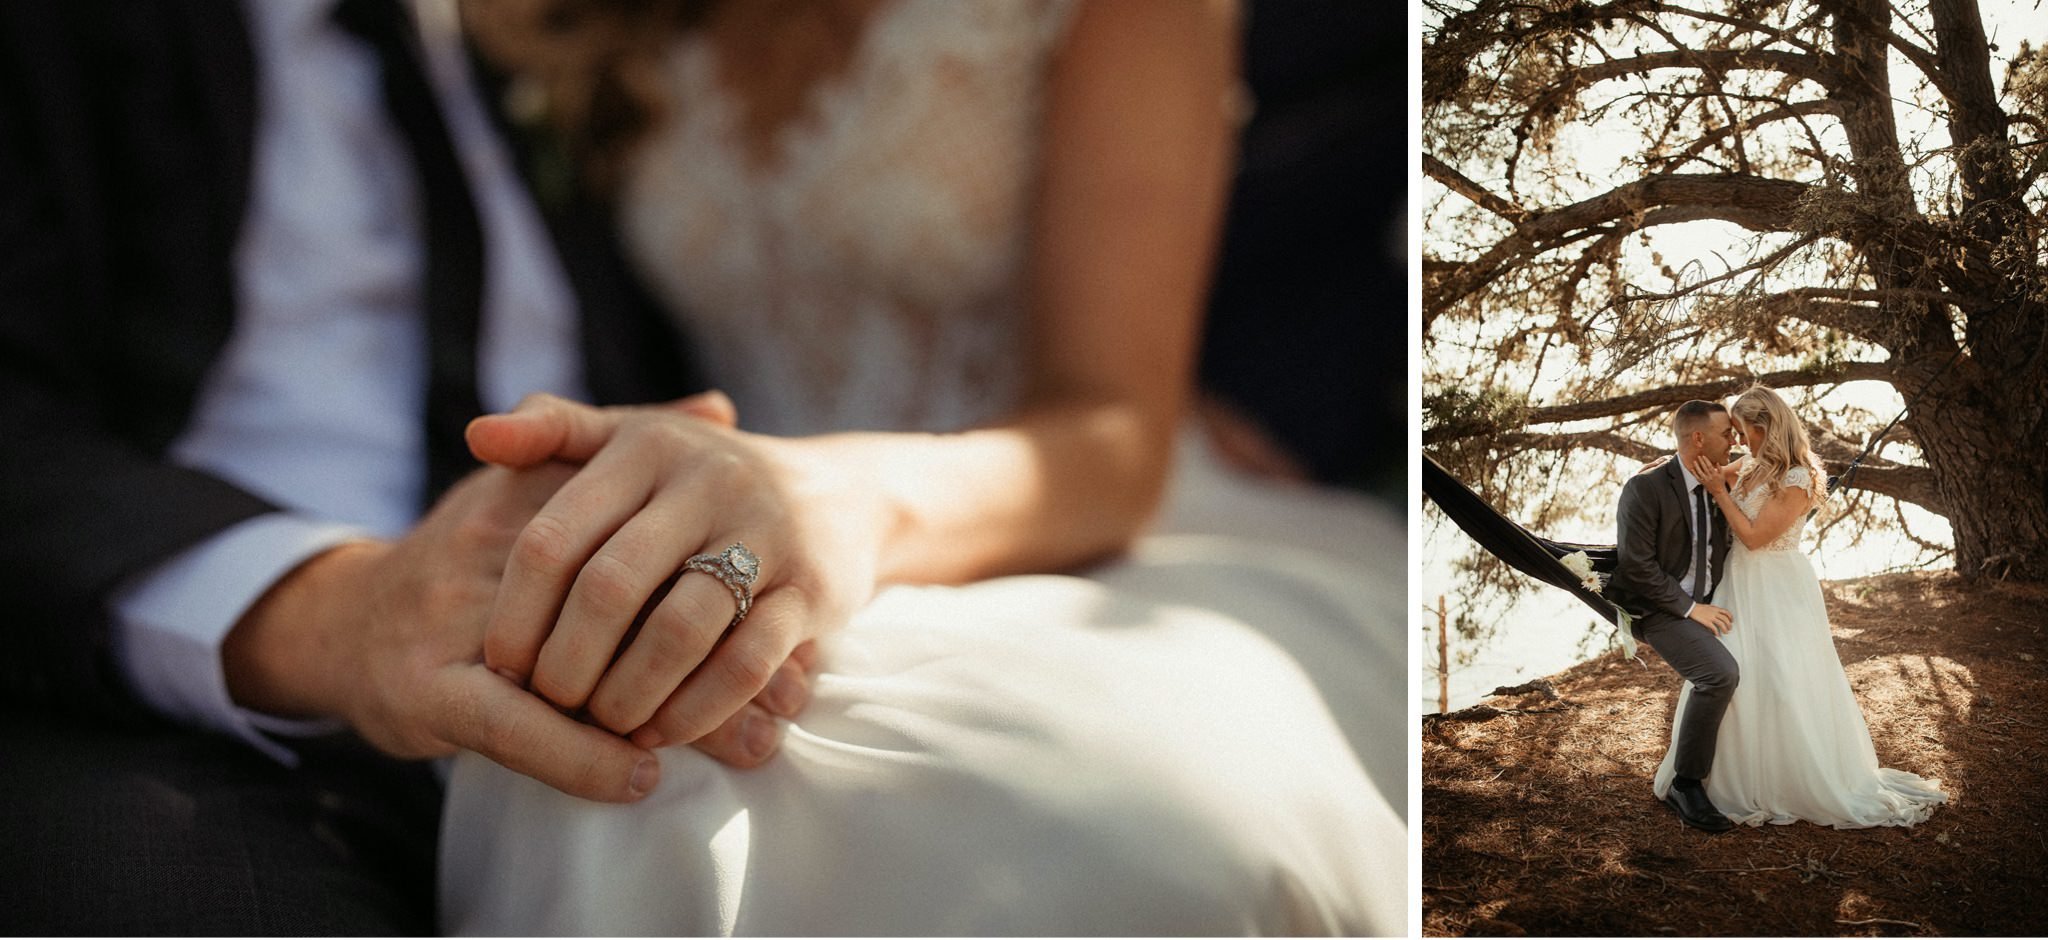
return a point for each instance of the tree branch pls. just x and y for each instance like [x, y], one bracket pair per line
[1908, 484]
[1754, 202]
[1921, 58]
[1746, 25]
[1851, 311]
[1609, 441]
[1673, 395]
[1462, 185]
[1795, 64]
[1798, 110]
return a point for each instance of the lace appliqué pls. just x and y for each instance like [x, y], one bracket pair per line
[870, 276]
[1759, 493]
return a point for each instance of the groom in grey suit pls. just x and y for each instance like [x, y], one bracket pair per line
[1671, 546]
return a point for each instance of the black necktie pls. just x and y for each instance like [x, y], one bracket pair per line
[1699, 543]
[454, 280]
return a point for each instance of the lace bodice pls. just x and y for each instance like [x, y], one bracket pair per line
[1752, 502]
[869, 275]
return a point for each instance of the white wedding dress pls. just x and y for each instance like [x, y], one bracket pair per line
[1206, 736]
[1793, 744]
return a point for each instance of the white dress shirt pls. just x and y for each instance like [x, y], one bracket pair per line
[316, 403]
[1692, 535]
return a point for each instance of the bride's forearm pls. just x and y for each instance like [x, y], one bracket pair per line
[1776, 517]
[1052, 486]
[1738, 524]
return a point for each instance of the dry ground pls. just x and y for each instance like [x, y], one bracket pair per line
[1542, 822]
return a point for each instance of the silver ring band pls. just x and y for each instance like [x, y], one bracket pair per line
[736, 568]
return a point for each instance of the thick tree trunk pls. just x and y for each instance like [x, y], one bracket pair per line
[1990, 475]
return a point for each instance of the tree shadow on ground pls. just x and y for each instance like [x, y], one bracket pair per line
[1543, 822]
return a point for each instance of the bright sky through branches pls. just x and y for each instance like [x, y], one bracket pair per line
[1541, 634]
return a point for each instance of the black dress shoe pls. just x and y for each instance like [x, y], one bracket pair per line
[1692, 805]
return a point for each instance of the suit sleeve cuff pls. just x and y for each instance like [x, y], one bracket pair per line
[169, 624]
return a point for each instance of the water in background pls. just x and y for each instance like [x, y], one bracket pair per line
[1547, 631]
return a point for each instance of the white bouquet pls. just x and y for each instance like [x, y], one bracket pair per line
[1577, 563]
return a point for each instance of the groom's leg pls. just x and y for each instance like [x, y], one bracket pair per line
[1703, 660]
[168, 831]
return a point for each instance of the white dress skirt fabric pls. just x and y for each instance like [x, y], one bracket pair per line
[1203, 738]
[1793, 745]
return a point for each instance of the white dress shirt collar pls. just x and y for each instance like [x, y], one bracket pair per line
[1691, 482]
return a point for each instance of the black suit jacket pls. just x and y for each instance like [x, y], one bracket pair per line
[1653, 547]
[126, 134]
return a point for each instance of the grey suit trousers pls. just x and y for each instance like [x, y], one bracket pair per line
[1699, 656]
[167, 831]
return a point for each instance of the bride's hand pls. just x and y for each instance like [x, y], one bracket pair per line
[660, 486]
[1654, 464]
[1709, 474]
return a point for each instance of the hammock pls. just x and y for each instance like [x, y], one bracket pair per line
[1523, 550]
[1539, 557]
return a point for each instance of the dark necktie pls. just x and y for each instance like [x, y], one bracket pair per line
[453, 288]
[1699, 543]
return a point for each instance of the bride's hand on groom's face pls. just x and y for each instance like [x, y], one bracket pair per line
[659, 485]
[1708, 473]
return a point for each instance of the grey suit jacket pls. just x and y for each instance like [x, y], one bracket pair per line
[1653, 547]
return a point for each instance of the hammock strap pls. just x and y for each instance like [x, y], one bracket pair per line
[1842, 481]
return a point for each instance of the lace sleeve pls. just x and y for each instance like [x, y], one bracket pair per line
[1799, 477]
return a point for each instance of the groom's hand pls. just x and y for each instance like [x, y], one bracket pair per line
[389, 637]
[1716, 619]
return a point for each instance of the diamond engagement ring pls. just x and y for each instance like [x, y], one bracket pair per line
[736, 568]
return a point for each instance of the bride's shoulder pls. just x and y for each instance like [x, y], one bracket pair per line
[1797, 478]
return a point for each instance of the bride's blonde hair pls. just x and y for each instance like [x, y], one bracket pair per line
[1779, 444]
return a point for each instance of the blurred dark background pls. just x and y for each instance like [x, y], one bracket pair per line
[1307, 331]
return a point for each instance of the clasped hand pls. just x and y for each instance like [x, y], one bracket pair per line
[520, 603]
[596, 613]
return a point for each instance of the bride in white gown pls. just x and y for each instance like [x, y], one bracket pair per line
[1793, 744]
[1201, 736]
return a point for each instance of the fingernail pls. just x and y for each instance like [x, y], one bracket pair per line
[759, 736]
[645, 774]
[646, 737]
